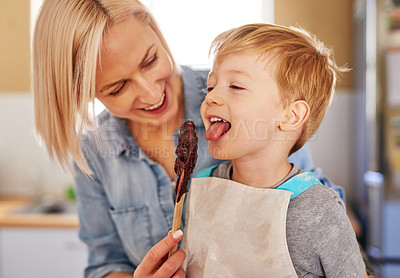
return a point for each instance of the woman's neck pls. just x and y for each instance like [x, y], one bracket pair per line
[145, 132]
[158, 141]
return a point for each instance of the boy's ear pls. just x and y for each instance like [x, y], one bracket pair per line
[295, 116]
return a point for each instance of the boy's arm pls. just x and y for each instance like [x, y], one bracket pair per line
[336, 245]
[303, 159]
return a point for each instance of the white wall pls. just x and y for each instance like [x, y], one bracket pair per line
[332, 146]
[25, 168]
[189, 27]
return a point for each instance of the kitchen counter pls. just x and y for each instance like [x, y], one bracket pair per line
[9, 217]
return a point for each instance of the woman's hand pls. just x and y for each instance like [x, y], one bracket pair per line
[156, 262]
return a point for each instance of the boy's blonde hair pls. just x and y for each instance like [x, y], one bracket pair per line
[305, 68]
[66, 46]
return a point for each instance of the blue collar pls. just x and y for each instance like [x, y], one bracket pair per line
[300, 183]
[297, 184]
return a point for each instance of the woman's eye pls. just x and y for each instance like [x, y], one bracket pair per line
[152, 60]
[118, 91]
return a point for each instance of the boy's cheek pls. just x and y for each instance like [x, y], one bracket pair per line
[203, 112]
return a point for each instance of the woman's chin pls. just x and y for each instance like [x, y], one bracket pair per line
[168, 118]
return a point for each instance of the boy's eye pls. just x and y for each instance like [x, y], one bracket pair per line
[207, 90]
[236, 87]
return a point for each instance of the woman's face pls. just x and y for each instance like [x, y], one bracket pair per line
[135, 79]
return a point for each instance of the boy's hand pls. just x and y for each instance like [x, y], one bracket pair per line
[156, 262]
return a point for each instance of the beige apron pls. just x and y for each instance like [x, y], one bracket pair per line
[234, 230]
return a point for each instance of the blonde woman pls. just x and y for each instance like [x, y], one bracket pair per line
[113, 50]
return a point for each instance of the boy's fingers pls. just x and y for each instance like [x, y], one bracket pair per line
[159, 251]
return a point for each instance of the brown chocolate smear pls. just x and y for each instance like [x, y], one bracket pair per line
[186, 156]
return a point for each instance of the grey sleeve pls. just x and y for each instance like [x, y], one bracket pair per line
[336, 244]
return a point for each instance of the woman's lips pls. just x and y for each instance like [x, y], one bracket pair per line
[158, 107]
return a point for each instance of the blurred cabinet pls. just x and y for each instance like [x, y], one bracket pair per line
[41, 252]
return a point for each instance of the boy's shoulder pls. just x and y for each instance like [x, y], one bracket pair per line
[320, 236]
[317, 200]
[314, 210]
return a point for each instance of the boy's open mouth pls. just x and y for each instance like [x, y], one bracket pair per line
[218, 128]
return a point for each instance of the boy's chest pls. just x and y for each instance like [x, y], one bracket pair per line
[230, 227]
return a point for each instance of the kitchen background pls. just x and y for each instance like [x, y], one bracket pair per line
[356, 136]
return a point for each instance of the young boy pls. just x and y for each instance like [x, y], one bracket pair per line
[257, 215]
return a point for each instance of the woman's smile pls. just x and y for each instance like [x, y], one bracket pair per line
[145, 87]
[155, 107]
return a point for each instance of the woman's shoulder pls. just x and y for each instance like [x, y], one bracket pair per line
[197, 71]
[194, 78]
[194, 82]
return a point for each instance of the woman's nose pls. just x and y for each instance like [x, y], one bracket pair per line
[148, 91]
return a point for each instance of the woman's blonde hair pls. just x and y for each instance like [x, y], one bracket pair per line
[66, 46]
[305, 70]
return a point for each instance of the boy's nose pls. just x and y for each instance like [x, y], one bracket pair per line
[213, 97]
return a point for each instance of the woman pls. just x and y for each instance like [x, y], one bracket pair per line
[113, 50]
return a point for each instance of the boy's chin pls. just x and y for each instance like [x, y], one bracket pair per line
[218, 153]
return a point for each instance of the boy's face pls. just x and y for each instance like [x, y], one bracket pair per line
[242, 108]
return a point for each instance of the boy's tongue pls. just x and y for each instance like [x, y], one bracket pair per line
[216, 130]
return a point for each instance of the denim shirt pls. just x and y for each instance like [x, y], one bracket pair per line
[127, 206]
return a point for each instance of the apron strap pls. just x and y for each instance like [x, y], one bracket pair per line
[300, 183]
[206, 172]
[297, 184]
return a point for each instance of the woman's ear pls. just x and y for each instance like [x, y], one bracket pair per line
[295, 116]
